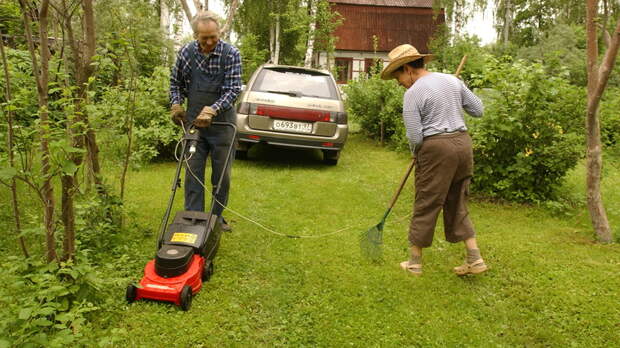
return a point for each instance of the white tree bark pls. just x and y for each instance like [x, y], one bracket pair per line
[311, 29]
[186, 9]
[277, 44]
[164, 18]
[272, 40]
[507, 22]
[227, 28]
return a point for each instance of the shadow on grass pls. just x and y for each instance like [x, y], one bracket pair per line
[265, 155]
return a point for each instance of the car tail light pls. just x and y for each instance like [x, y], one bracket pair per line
[338, 117]
[328, 144]
[254, 137]
[292, 113]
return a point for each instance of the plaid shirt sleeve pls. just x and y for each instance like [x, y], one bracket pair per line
[180, 77]
[232, 81]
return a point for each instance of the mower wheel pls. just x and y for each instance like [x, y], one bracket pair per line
[186, 297]
[131, 293]
[207, 272]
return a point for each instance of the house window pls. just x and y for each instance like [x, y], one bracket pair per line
[371, 63]
[344, 69]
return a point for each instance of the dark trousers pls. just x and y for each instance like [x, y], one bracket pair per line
[215, 143]
[444, 167]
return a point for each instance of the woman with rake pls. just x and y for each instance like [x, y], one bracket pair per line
[433, 117]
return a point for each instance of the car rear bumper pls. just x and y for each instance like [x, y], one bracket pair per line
[310, 141]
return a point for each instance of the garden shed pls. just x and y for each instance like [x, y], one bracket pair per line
[383, 24]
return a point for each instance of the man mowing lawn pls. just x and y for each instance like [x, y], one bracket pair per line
[438, 138]
[208, 73]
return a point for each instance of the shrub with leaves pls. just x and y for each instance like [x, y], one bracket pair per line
[377, 106]
[46, 305]
[146, 105]
[610, 120]
[531, 133]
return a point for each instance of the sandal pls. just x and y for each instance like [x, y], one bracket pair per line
[415, 269]
[476, 267]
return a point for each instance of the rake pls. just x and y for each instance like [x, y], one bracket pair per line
[372, 239]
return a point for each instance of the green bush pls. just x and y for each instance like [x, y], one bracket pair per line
[372, 102]
[562, 50]
[46, 305]
[531, 133]
[609, 114]
[147, 103]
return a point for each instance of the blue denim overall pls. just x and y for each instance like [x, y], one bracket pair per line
[205, 90]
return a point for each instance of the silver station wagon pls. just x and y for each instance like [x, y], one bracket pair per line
[295, 107]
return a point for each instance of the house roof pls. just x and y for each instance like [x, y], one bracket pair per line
[387, 3]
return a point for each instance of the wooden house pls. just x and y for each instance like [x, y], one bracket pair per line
[372, 28]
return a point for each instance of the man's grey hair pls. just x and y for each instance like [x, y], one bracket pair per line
[204, 17]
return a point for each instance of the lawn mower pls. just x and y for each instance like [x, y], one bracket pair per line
[185, 248]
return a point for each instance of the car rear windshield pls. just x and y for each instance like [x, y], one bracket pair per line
[295, 82]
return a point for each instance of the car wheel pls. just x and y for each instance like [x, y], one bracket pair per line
[186, 297]
[331, 157]
[131, 293]
[241, 150]
[242, 155]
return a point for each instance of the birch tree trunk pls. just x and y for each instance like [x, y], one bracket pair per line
[186, 9]
[227, 28]
[272, 37]
[597, 81]
[506, 29]
[277, 39]
[311, 28]
[164, 18]
[41, 73]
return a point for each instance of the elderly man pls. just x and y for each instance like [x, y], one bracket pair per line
[207, 73]
[433, 117]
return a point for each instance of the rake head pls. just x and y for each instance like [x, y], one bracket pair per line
[371, 242]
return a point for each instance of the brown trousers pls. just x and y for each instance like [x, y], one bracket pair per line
[444, 167]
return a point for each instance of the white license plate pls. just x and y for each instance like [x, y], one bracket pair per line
[292, 126]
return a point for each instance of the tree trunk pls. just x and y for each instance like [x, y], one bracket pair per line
[272, 37]
[227, 28]
[277, 39]
[77, 124]
[597, 81]
[311, 27]
[9, 112]
[42, 78]
[129, 122]
[198, 6]
[507, 22]
[188, 12]
[164, 18]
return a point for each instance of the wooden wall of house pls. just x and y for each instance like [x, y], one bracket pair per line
[391, 25]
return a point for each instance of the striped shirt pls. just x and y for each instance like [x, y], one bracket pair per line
[434, 105]
[180, 78]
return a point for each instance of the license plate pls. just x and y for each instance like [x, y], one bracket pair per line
[292, 126]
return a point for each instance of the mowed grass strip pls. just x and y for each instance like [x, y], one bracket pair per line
[549, 285]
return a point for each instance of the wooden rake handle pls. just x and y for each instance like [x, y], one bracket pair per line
[458, 70]
[402, 184]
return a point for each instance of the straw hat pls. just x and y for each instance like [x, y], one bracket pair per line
[401, 55]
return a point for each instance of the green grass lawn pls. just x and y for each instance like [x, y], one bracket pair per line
[549, 284]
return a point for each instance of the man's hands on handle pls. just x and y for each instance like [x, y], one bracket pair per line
[177, 114]
[204, 118]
